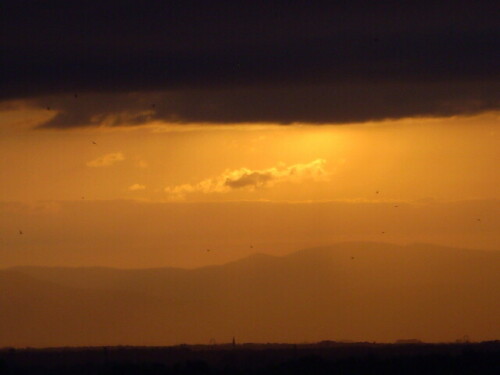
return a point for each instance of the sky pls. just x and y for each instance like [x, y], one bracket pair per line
[139, 134]
[161, 103]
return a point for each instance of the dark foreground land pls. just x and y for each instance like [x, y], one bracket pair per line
[321, 358]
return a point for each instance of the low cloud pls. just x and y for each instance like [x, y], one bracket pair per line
[139, 163]
[248, 179]
[309, 103]
[106, 160]
[137, 187]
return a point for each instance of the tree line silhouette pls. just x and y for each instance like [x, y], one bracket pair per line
[321, 358]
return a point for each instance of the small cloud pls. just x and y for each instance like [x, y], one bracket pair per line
[249, 179]
[246, 178]
[136, 187]
[141, 163]
[106, 160]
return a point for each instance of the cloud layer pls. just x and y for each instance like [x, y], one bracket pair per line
[106, 160]
[252, 61]
[136, 187]
[249, 179]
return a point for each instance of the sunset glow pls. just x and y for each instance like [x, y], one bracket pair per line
[185, 173]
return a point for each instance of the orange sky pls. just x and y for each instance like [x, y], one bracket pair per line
[189, 196]
[339, 182]
[445, 159]
[179, 134]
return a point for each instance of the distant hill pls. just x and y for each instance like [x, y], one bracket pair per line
[349, 291]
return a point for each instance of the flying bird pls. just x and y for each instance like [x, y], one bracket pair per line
[93, 142]
[20, 232]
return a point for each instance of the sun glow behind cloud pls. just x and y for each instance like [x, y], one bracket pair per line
[441, 158]
[244, 178]
[192, 143]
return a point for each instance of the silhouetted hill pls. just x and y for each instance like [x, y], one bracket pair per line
[358, 291]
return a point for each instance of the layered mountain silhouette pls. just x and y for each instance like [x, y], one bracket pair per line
[349, 291]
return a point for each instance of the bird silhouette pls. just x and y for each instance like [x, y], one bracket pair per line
[94, 143]
[20, 232]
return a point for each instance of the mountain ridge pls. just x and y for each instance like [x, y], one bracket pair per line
[362, 292]
[256, 255]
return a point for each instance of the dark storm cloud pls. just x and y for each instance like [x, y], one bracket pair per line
[272, 61]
